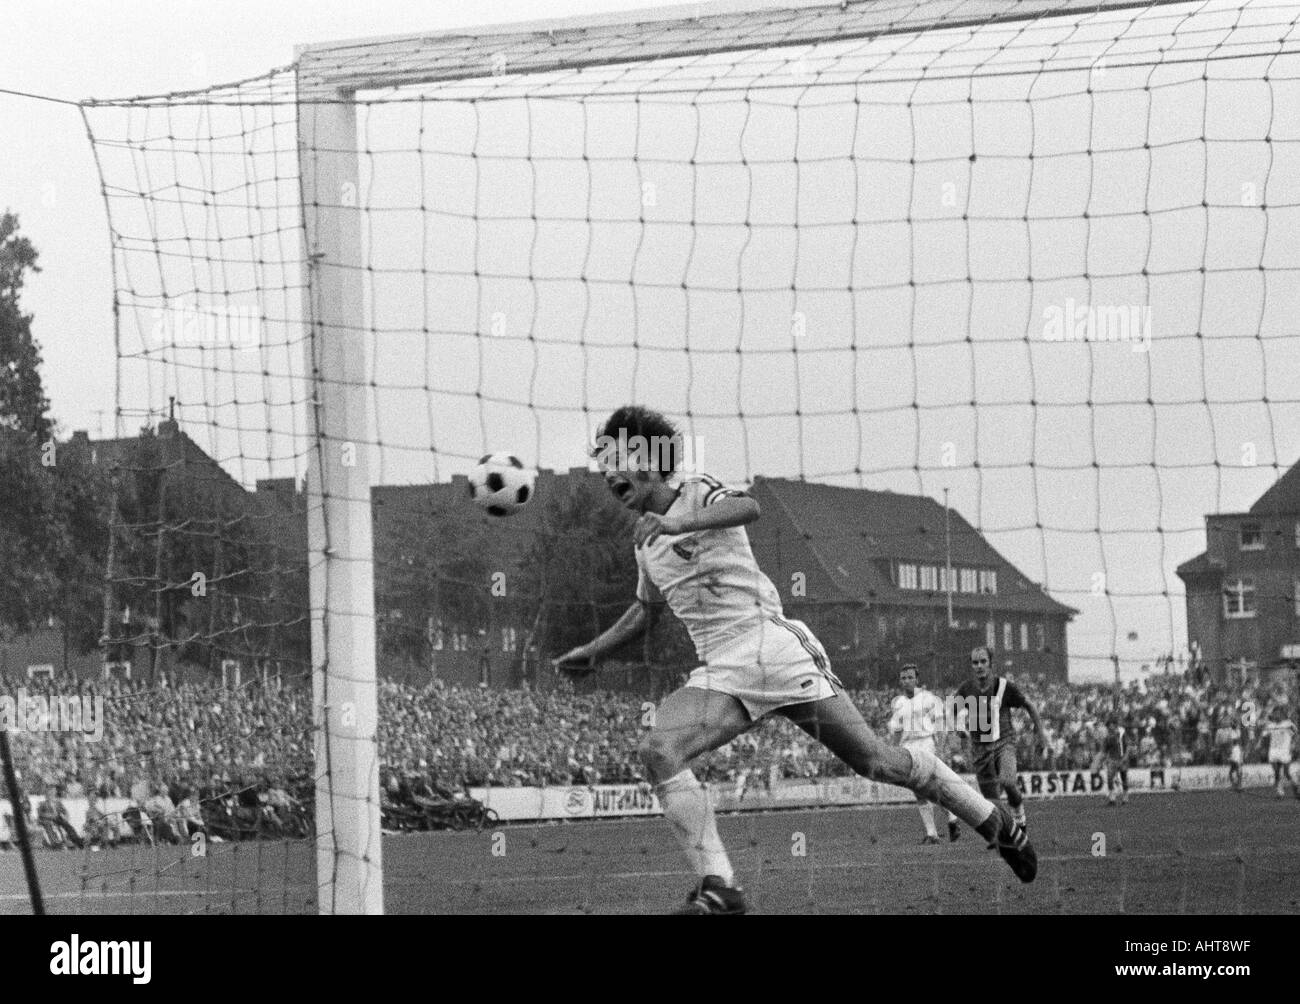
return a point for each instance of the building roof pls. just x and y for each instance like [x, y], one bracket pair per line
[198, 465]
[856, 534]
[1283, 498]
[1200, 565]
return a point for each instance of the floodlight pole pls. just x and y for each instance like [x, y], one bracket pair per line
[349, 864]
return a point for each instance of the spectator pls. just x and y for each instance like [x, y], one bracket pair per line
[52, 818]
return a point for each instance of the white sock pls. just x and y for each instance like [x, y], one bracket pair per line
[687, 806]
[938, 782]
[927, 818]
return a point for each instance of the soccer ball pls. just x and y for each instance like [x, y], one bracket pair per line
[500, 484]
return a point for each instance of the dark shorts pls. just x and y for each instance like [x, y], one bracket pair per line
[995, 768]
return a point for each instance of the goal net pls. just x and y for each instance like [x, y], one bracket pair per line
[1034, 258]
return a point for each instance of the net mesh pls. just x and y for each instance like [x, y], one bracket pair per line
[1038, 256]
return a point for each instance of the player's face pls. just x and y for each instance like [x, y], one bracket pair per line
[631, 492]
[907, 680]
[633, 488]
[980, 665]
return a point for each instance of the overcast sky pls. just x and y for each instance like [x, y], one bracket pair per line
[881, 378]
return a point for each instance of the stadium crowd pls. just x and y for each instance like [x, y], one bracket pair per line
[176, 750]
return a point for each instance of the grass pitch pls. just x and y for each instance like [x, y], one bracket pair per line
[1194, 853]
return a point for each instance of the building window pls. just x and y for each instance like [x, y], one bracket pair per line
[990, 635]
[906, 576]
[948, 579]
[929, 578]
[1024, 637]
[507, 639]
[1239, 598]
[968, 580]
[1297, 534]
[1006, 635]
[1295, 591]
[1252, 537]
[988, 581]
[1243, 671]
[1040, 636]
[883, 624]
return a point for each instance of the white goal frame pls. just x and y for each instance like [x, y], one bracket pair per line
[329, 75]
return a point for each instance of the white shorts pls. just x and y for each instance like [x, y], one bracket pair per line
[926, 744]
[776, 665]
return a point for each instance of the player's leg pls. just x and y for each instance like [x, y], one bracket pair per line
[689, 722]
[954, 829]
[923, 805]
[1005, 763]
[1111, 797]
[837, 723]
[926, 808]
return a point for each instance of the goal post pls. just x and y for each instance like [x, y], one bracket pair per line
[349, 860]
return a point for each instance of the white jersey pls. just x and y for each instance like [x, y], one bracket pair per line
[1279, 740]
[918, 717]
[709, 578]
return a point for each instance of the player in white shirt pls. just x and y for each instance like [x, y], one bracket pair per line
[917, 720]
[1278, 733]
[693, 555]
[1228, 739]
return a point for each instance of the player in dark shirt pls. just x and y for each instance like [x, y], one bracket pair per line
[987, 701]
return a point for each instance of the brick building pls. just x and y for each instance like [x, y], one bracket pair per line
[1243, 591]
[868, 571]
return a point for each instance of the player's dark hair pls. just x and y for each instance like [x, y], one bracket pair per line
[637, 424]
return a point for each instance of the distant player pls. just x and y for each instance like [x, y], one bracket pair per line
[916, 719]
[1228, 740]
[1278, 733]
[985, 719]
[693, 554]
[1114, 751]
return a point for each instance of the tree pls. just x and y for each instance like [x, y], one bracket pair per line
[430, 563]
[31, 538]
[579, 576]
[23, 405]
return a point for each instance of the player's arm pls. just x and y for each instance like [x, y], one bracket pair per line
[1026, 705]
[636, 621]
[719, 509]
[961, 726]
[895, 726]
